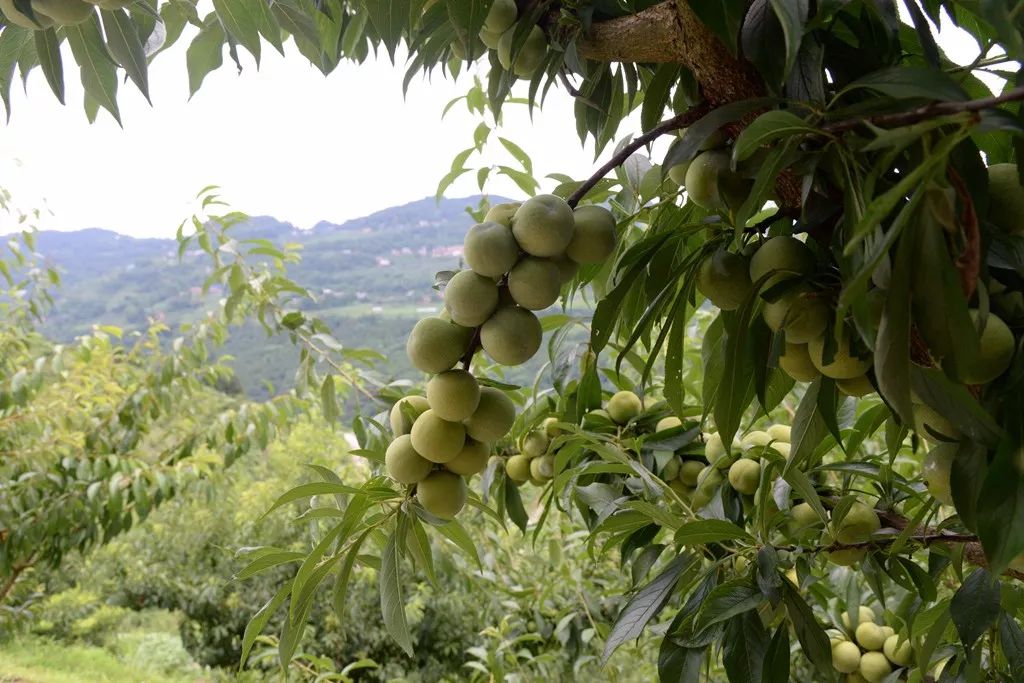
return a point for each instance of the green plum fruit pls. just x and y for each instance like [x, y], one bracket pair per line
[470, 298]
[745, 476]
[471, 460]
[502, 213]
[493, 416]
[724, 279]
[442, 494]
[995, 351]
[404, 413]
[535, 283]
[518, 468]
[782, 257]
[843, 365]
[403, 463]
[623, 406]
[511, 336]
[796, 362]
[593, 237]
[1005, 198]
[544, 225]
[453, 395]
[490, 249]
[436, 439]
[436, 345]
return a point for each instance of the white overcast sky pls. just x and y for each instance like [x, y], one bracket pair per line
[283, 141]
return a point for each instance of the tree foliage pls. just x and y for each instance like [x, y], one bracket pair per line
[833, 243]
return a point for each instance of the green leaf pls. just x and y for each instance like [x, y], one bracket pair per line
[237, 18]
[48, 52]
[656, 95]
[809, 427]
[743, 650]
[392, 606]
[388, 18]
[1011, 637]
[205, 53]
[317, 488]
[514, 504]
[467, 16]
[724, 18]
[329, 399]
[645, 605]
[1000, 507]
[767, 128]
[905, 82]
[419, 546]
[776, 658]
[809, 632]
[456, 533]
[707, 531]
[99, 74]
[975, 606]
[124, 44]
[259, 621]
[791, 15]
[12, 42]
[268, 561]
[726, 601]
[679, 664]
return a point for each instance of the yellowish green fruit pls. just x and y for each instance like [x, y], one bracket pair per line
[470, 298]
[530, 55]
[436, 439]
[843, 365]
[669, 422]
[535, 283]
[64, 12]
[864, 614]
[593, 238]
[938, 464]
[403, 463]
[888, 631]
[535, 443]
[1005, 198]
[874, 667]
[493, 416]
[404, 413]
[36, 22]
[442, 494]
[899, 652]
[779, 432]
[796, 362]
[453, 395]
[804, 518]
[490, 249]
[706, 180]
[858, 524]
[745, 476]
[724, 278]
[623, 406]
[677, 174]
[755, 439]
[806, 318]
[501, 16]
[713, 447]
[689, 471]
[542, 468]
[471, 459]
[933, 427]
[518, 468]
[782, 448]
[551, 428]
[870, 636]
[784, 257]
[544, 225]
[511, 336]
[845, 657]
[436, 345]
[995, 351]
[490, 39]
[567, 268]
[857, 387]
[502, 213]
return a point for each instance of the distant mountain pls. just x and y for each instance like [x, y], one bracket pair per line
[372, 277]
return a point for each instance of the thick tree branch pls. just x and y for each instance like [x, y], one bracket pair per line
[667, 126]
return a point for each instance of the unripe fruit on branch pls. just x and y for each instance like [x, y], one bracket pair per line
[501, 16]
[796, 362]
[623, 406]
[805, 520]
[689, 471]
[724, 279]
[786, 257]
[544, 225]
[804, 315]
[436, 439]
[669, 422]
[64, 12]
[593, 237]
[870, 636]
[842, 365]
[535, 444]
[711, 184]
[403, 463]
[436, 345]
[845, 657]
[779, 432]
[518, 468]
[511, 336]
[874, 667]
[531, 53]
[857, 387]
[995, 351]
[938, 464]
[471, 459]
[491, 39]
[745, 476]
[502, 213]
[863, 614]
[933, 427]
[534, 283]
[856, 527]
[898, 651]
[493, 416]
[753, 441]
[401, 422]
[490, 249]
[1005, 198]
[542, 468]
[453, 395]
[470, 298]
[442, 494]
[551, 428]
[36, 22]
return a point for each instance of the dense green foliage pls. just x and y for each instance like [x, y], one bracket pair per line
[827, 267]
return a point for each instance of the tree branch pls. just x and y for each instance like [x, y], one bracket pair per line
[667, 126]
[928, 111]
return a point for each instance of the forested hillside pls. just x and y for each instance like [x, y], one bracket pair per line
[366, 273]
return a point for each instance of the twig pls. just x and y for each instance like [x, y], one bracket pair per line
[474, 345]
[928, 111]
[354, 382]
[667, 126]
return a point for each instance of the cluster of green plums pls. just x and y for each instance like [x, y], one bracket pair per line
[498, 34]
[47, 13]
[867, 651]
[518, 258]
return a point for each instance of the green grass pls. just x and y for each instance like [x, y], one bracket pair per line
[33, 660]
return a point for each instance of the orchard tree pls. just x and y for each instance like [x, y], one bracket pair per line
[838, 227]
